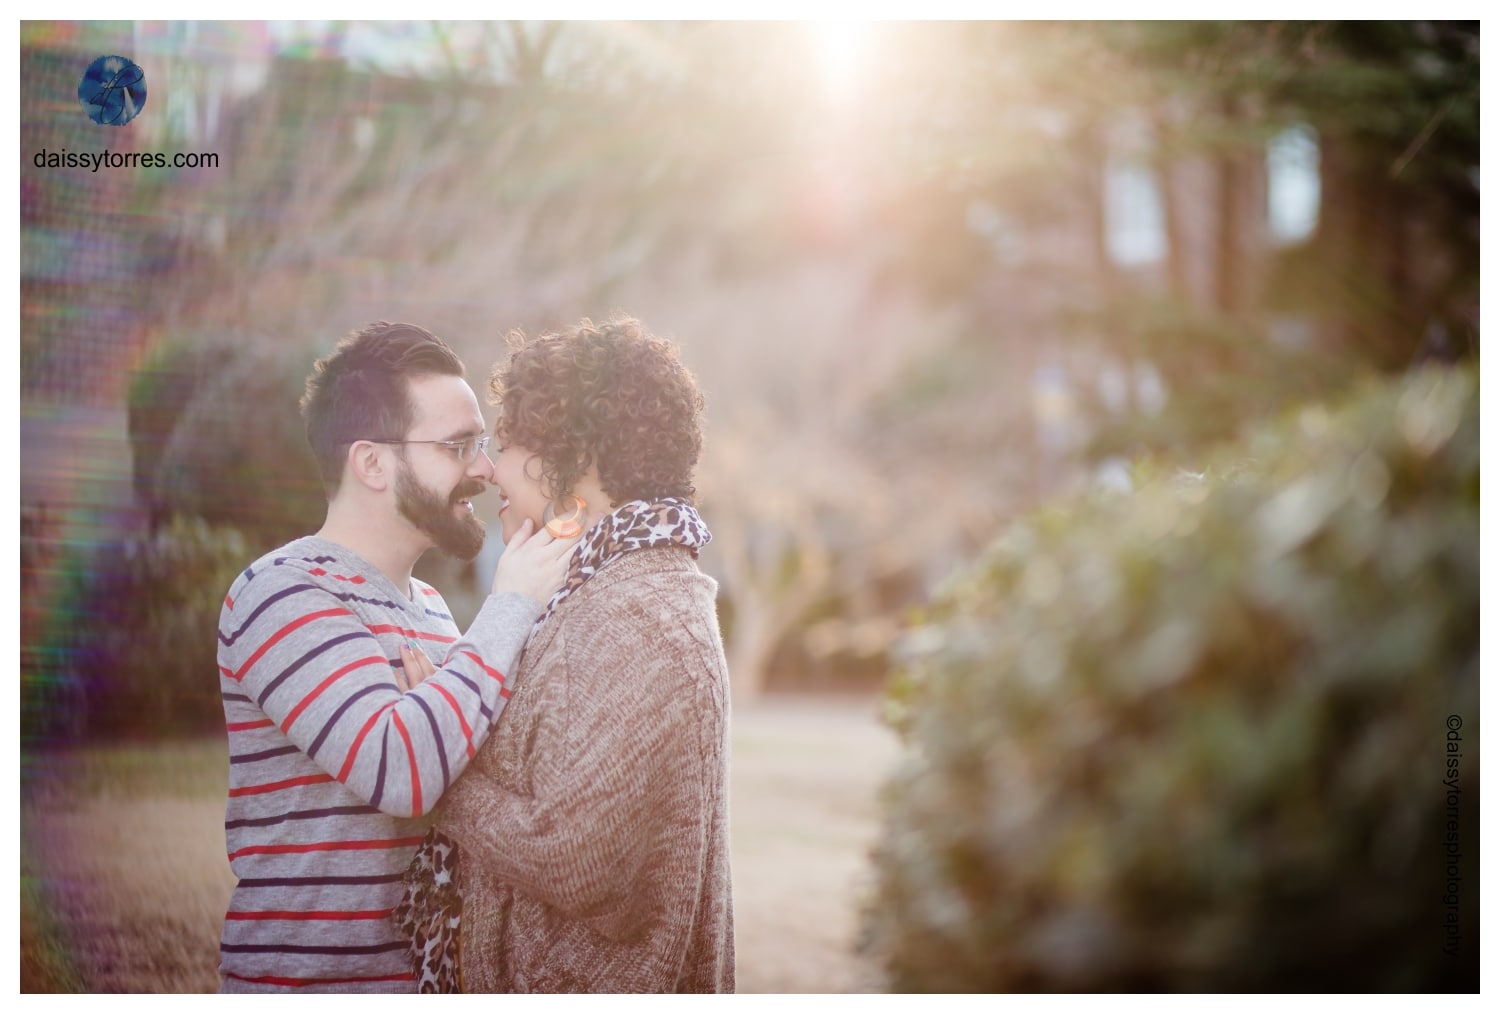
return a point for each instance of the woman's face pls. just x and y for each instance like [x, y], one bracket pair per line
[521, 494]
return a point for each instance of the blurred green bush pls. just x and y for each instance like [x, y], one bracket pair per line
[1193, 736]
[131, 651]
[216, 432]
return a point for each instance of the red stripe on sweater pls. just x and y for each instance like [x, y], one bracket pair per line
[380, 913]
[320, 572]
[391, 628]
[429, 591]
[247, 726]
[318, 690]
[325, 846]
[289, 783]
[462, 722]
[281, 980]
[360, 738]
[228, 601]
[493, 673]
[270, 643]
[411, 757]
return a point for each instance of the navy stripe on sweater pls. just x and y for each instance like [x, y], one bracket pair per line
[267, 604]
[250, 758]
[398, 945]
[379, 792]
[329, 811]
[291, 670]
[437, 736]
[484, 709]
[374, 878]
[338, 713]
[345, 597]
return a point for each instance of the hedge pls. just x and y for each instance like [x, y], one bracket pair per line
[1196, 736]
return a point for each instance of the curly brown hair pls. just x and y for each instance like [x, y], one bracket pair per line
[614, 395]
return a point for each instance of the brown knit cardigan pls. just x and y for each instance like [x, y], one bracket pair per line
[594, 824]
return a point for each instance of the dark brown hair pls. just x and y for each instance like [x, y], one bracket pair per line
[362, 391]
[611, 395]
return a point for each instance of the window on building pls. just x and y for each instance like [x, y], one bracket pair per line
[1134, 216]
[1294, 189]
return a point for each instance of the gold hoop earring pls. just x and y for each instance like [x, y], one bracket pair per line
[565, 528]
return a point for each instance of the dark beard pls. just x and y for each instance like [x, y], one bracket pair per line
[460, 537]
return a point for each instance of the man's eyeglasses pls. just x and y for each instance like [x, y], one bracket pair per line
[466, 449]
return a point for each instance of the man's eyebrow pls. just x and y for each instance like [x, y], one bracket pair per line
[464, 434]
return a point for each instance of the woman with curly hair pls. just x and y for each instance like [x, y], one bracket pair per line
[587, 846]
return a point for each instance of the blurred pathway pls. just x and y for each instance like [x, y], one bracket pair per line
[125, 882]
[804, 775]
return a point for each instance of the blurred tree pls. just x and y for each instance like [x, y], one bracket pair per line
[1394, 110]
[794, 483]
[1036, 118]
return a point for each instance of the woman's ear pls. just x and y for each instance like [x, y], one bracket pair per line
[540, 478]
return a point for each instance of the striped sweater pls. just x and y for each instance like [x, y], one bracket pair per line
[332, 767]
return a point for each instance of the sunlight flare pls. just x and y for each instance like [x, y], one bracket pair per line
[841, 43]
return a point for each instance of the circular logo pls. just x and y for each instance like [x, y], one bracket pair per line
[113, 90]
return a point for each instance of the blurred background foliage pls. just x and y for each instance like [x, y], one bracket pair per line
[1193, 737]
[930, 275]
[129, 626]
[216, 434]
[1112, 383]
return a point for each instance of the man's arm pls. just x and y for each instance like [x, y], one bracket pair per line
[621, 765]
[321, 676]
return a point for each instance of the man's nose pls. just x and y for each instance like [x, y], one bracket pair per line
[482, 467]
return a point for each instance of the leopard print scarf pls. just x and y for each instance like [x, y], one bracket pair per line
[431, 907]
[638, 524]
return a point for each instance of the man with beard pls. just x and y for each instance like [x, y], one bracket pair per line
[337, 746]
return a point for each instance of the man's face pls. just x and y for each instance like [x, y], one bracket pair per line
[433, 482]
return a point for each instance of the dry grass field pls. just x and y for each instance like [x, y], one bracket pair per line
[124, 880]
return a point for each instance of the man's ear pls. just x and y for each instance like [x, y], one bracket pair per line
[368, 465]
